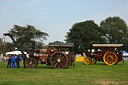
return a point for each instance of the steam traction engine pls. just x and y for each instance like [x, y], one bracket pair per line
[108, 54]
[54, 56]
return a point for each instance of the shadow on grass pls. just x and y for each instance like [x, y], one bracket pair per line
[47, 67]
[50, 67]
[102, 63]
[44, 67]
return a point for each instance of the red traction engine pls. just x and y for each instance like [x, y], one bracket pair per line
[54, 55]
[109, 55]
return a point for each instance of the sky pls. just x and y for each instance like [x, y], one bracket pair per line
[56, 17]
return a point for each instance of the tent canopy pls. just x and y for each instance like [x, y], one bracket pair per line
[14, 53]
[125, 53]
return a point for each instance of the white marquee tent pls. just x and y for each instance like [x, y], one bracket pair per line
[14, 53]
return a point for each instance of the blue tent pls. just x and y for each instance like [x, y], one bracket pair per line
[125, 55]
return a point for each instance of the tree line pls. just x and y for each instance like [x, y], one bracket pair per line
[112, 30]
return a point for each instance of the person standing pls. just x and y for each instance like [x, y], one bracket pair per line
[13, 62]
[17, 61]
[9, 62]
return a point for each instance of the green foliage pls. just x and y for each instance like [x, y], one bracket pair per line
[99, 74]
[58, 42]
[115, 30]
[2, 46]
[25, 35]
[86, 32]
[10, 46]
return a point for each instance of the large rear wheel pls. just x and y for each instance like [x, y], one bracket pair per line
[59, 60]
[110, 58]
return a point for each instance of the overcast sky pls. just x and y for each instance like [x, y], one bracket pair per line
[56, 17]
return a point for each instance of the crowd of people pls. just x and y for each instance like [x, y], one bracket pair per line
[13, 62]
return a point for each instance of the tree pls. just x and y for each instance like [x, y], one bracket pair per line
[2, 46]
[26, 35]
[86, 32]
[9, 46]
[58, 42]
[115, 30]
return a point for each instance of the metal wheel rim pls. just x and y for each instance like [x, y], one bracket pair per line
[30, 63]
[87, 60]
[110, 58]
[59, 60]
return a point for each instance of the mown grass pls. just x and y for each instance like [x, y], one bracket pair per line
[99, 74]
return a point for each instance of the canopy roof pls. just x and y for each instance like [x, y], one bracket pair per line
[107, 45]
[61, 44]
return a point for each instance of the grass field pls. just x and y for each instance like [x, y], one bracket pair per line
[99, 74]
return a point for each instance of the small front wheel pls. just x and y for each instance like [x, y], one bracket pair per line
[87, 60]
[30, 63]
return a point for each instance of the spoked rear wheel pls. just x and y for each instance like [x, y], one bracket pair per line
[110, 58]
[59, 60]
[87, 60]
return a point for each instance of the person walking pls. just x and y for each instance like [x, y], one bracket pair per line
[13, 62]
[17, 61]
[9, 62]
